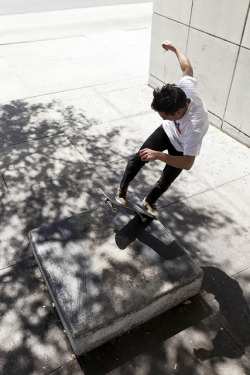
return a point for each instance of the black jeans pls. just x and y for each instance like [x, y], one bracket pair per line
[157, 141]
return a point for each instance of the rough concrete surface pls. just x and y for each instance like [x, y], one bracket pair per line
[61, 72]
[100, 291]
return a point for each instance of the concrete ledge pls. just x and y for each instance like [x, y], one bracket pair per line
[109, 272]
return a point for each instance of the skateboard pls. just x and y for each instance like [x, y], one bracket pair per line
[130, 205]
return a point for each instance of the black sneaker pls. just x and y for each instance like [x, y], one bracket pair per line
[151, 208]
[121, 196]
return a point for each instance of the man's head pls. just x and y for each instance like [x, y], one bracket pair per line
[170, 102]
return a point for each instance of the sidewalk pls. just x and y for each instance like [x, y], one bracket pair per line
[75, 101]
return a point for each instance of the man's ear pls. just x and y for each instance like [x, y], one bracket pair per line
[178, 112]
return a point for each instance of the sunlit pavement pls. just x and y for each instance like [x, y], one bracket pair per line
[75, 105]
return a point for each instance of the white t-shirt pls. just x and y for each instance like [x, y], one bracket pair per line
[187, 135]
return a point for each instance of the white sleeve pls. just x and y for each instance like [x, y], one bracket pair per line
[187, 83]
[192, 144]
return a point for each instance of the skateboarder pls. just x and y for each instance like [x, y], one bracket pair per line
[185, 122]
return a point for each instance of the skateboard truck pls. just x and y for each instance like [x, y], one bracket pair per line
[113, 208]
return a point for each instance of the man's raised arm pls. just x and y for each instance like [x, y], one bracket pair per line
[183, 60]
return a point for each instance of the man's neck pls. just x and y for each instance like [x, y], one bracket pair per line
[184, 110]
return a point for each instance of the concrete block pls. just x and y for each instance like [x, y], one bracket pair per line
[109, 272]
[164, 65]
[224, 19]
[177, 10]
[246, 36]
[237, 112]
[210, 57]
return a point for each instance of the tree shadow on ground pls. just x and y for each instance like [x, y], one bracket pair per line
[187, 340]
[47, 160]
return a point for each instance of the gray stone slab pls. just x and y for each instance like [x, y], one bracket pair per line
[230, 301]
[21, 121]
[14, 245]
[31, 337]
[214, 227]
[58, 198]
[39, 26]
[115, 273]
[3, 188]
[79, 60]
[31, 162]
[114, 140]
[12, 87]
[187, 340]
[230, 165]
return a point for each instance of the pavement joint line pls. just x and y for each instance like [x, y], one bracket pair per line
[76, 88]
[30, 140]
[60, 367]
[15, 264]
[4, 181]
[237, 273]
[204, 191]
[228, 332]
[202, 31]
[222, 281]
[37, 183]
[43, 40]
[75, 147]
[126, 117]
[116, 53]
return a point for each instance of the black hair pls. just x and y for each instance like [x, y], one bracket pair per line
[168, 99]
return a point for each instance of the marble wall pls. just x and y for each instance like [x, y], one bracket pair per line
[216, 37]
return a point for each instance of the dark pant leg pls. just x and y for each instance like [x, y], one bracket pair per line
[169, 174]
[157, 141]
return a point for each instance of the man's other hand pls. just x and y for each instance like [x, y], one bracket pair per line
[148, 155]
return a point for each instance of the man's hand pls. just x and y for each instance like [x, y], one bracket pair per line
[183, 60]
[182, 162]
[169, 46]
[148, 155]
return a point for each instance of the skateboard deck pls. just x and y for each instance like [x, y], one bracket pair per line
[130, 205]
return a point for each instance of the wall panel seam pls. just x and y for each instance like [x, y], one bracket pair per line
[204, 32]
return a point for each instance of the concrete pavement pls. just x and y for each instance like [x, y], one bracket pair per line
[75, 100]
